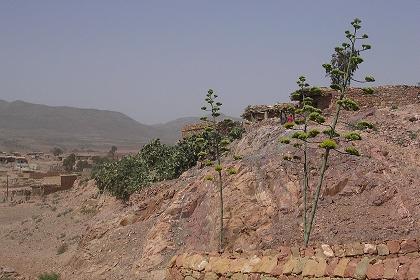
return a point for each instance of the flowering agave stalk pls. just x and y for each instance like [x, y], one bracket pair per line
[345, 62]
[215, 147]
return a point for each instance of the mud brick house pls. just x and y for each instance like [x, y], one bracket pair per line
[261, 112]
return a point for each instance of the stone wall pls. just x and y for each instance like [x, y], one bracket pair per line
[192, 129]
[393, 259]
[383, 96]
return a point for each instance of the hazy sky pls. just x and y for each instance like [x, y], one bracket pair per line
[154, 60]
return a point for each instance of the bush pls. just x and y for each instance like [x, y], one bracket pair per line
[82, 164]
[156, 162]
[69, 161]
[56, 151]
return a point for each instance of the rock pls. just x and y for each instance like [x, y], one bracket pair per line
[266, 265]
[390, 268]
[361, 268]
[409, 246]
[240, 265]
[414, 270]
[295, 251]
[334, 190]
[266, 277]
[309, 252]
[129, 220]
[189, 208]
[179, 262]
[8, 270]
[381, 196]
[375, 271]
[354, 249]
[252, 264]
[341, 267]
[314, 267]
[284, 252]
[382, 250]
[218, 265]
[290, 265]
[393, 246]
[402, 272]
[210, 276]
[239, 276]
[331, 265]
[339, 251]
[370, 249]
[278, 270]
[326, 249]
[157, 274]
[172, 262]
[300, 264]
[196, 262]
[351, 268]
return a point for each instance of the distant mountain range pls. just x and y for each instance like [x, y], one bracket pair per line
[26, 127]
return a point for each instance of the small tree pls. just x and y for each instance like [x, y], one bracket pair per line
[112, 152]
[82, 164]
[341, 73]
[214, 148]
[69, 161]
[56, 151]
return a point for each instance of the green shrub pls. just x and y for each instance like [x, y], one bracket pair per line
[69, 161]
[328, 144]
[362, 125]
[353, 136]
[231, 171]
[237, 157]
[157, 162]
[82, 164]
[352, 151]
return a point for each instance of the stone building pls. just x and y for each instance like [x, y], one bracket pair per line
[261, 112]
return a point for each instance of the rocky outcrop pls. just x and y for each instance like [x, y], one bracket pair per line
[393, 259]
[373, 197]
[8, 273]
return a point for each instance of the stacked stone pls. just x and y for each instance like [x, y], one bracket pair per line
[383, 96]
[193, 129]
[393, 259]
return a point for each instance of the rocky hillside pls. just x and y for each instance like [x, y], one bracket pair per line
[368, 198]
[374, 197]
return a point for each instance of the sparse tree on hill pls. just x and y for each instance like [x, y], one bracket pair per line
[112, 152]
[69, 161]
[56, 151]
[331, 140]
[216, 146]
[82, 164]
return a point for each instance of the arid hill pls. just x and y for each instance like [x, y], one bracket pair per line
[372, 197]
[28, 126]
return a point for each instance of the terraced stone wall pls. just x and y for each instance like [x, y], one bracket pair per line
[393, 259]
[383, 96]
